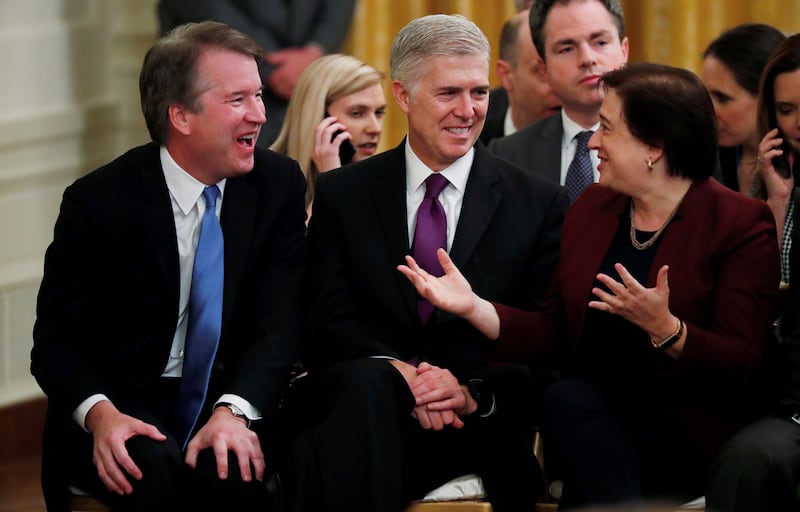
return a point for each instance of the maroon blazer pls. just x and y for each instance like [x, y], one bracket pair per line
[722, 252]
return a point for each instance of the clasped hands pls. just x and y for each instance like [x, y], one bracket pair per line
[222, 433]
[440, 400]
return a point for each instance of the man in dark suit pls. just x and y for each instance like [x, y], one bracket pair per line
[118, 335]
[292, 34]
[525, 95]
[574, 56]
[398, 399]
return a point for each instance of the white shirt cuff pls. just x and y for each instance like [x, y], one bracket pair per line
[247, 408]
[80, 412]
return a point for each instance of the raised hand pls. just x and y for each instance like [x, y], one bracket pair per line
[646, 307]
[450, 292]
[326, 148]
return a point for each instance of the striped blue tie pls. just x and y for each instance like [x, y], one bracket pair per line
[205, 317]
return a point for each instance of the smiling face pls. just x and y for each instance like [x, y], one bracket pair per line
[362, 113]
[735, 106]
[581, 43]
[218, 140]
[787, 107]
[446, 107]
[622, 156]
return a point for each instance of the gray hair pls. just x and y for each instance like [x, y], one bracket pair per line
[437, 34]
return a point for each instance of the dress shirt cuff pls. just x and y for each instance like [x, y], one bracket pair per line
[80, 412]
[247, 408]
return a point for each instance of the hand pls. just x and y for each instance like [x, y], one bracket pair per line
[648, 308]
[438, 390]
[110, 430]
[223, 433]
[778, 188]
[428, 419]
[326, 151]
[450, 292]
[289, 64]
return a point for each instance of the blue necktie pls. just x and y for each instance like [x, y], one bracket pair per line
[430, 233]
[580, 173]
[205, 317]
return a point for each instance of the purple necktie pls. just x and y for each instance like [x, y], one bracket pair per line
[580, 173]
[430, 234]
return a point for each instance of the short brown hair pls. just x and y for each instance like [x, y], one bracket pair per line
[169, 71]
[668, 108]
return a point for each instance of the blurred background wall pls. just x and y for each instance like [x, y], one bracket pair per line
[69, 102]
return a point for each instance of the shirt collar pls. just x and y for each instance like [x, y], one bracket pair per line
[456, 173]
[184, 187]
[571, 128]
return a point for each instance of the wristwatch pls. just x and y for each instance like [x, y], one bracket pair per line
[235, 410]
[483, 397]
[670, 340]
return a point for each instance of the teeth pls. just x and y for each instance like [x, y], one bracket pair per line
[458, 131]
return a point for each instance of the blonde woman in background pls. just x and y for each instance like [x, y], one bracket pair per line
[335, 117]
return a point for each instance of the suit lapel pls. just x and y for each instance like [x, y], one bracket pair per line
[155, 209]
[388, 191]
[478, 207]
[590, 249]
[549, 155]
[238, 208]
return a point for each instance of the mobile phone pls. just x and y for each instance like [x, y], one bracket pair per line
[780, 162]
[346, 149]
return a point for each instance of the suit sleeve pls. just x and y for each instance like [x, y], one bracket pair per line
[68, 305]
[746, 278]
[332, 24]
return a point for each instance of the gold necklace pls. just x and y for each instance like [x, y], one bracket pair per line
[650, 241]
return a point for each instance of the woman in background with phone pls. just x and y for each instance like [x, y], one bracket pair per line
[335, 117]
[732, 66]
[779, 150]
[759, 468]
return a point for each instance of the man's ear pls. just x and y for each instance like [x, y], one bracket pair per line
[503, 69]
[401, 95]
[179, 119]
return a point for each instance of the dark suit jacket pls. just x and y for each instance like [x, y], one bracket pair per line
[506, 244]
[108, 303]
[494, 126]
[273, 24]
[722, 253]
[535, 148]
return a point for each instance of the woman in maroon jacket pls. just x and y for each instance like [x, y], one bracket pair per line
[656, 371]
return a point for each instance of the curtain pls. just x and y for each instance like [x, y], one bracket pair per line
[673, 32]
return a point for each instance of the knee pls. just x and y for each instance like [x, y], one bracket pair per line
[211, 492]
[160, 462]
[569, 401]
[369, 380]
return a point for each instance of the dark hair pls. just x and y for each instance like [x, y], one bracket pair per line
[169, 72]
[744, 50]
[668, 108]
[540, 10]
[785, 59]
[509, 50]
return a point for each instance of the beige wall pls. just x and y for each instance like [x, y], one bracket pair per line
[69, 102]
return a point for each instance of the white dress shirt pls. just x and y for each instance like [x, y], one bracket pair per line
[451, 197]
